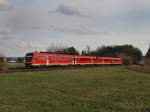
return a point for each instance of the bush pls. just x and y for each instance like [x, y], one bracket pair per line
[127, 61]
[145, 61]
[148, 54]
[2, 64]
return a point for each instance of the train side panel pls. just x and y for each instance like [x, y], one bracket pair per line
[39, 59]
[104, 60]
[51, 59]
[117, 61]
[85, 60]
[60, 60]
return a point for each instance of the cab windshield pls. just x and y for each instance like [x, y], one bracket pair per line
[28, 57]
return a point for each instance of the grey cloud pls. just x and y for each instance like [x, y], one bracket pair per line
[79, 30]
[71, 11]
[7, 38]
[4, 5]
[24, 19]
[27, 45]
[106, 7]
[6, 35]
[88, 21]
[28, 0]
[5, 31]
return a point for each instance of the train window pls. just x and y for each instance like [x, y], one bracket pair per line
[36, 58]
[61, 58]
[51, 58]
[28, 57]
[41, 58]
[47, 58]
[85, 59]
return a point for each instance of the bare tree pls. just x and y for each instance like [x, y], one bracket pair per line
[56, 48]
[88, 49]
[2, 62]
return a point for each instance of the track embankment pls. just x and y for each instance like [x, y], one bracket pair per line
[144, 69]
[23, 69]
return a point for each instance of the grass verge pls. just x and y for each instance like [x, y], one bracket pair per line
[102, 89]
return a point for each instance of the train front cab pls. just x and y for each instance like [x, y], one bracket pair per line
[28, 60]
[35, 60]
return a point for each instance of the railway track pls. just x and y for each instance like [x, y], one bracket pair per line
[23, 69]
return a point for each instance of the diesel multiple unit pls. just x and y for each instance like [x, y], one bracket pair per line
[48, 59]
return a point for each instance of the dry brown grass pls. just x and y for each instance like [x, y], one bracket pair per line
[145, 69]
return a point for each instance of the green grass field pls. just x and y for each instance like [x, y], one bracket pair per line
[14, 65]
[101, 89]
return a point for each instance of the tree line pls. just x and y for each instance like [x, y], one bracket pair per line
[146, 59]
[129, 53]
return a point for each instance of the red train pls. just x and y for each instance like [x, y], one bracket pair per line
[47, 59]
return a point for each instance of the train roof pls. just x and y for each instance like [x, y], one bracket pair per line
[51, 54]
[85, 56]
[65, 55]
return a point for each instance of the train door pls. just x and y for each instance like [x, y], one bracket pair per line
[47, 60]
[113, 60]
[74, 60]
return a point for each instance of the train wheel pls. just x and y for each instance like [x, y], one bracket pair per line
[28, 66]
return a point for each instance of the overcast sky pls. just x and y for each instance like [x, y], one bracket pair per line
[28, 25]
